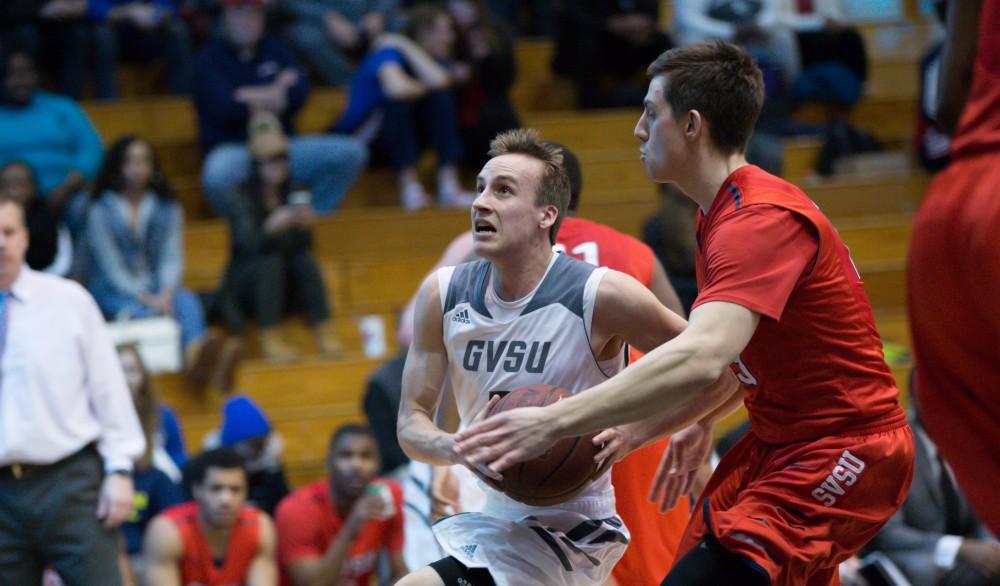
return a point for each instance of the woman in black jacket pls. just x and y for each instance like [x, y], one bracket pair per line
[271, 250]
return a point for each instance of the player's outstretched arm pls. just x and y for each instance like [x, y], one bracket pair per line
[675, 380]
[162, 550]
[423, 380]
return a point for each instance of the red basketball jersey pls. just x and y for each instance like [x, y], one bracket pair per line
[604, 246]
[814, 366]
[197, 566]
[979, 126]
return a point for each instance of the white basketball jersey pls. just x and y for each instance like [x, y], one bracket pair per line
[542, 338]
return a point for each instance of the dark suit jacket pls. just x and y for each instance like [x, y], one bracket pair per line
[910, 537]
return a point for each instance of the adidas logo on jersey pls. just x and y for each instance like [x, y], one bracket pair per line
[470, 550]
[462, 317]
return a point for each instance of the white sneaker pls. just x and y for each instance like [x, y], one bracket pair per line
[413, 198]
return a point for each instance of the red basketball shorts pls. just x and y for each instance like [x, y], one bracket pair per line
[796, 511]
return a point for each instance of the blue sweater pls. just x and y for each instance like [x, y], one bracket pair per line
[366, 95]
[218, 72]
[53, 135]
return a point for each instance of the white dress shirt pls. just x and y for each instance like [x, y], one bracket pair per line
[61, 382]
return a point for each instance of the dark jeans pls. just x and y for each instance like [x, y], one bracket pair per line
[65, 51]
[263, 285]
[843, 46]
[48, 517]
[172, 40]
[433, 117]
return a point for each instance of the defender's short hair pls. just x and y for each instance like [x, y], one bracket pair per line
[553, 185]
[722, 82]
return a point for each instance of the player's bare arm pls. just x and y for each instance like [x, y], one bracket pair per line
[423, 381]
[677, 380]
[263, 570]
[627, 312]
[663, 290]
[162, 551]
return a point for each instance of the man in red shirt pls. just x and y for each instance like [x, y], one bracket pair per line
[829, 457]
[332, 531]
[953, 274]
[217, 539]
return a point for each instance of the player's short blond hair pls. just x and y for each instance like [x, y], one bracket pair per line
[553, 185]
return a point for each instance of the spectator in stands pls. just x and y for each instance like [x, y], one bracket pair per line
[50, 248]
[332, 531]
[246, 71]
[270, 233]
[332, 34]
[63, 25]
[135, 255]
[605, 46]
[246, 430]
[381, 404]
[17, 25]
[70, 432]
[140, 31]
[935, 538]
[539, 15]
[168, 452]
[484, 106]
[51, 133]
[156, 476]
[217, 538]
[402, 89]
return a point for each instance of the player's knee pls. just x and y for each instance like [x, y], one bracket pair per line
[423, 577]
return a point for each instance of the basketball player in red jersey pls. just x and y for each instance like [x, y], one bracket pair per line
[954, 267]
[217, 539]
[829, 457]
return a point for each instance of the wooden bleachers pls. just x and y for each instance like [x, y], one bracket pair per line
[373, 255]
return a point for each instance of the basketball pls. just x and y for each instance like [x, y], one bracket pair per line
[559, 473]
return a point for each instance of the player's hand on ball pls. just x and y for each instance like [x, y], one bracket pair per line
[507, 438]
[615, 445]
[478, 468]
[679, 469]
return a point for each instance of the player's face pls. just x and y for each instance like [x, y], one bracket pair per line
[354, 463]
[664, 145]
[221, 495]
[13, 241]
[505, 213]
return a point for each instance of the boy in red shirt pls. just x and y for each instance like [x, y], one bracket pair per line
[829, 457]
[217, 539]
[332, 531]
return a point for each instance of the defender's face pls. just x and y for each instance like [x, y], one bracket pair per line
[221, 495]
[664, 150]
[504, 214]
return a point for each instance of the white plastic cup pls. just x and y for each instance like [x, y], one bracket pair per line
[372, 336]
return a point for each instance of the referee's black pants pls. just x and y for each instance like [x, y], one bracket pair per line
[48, 518]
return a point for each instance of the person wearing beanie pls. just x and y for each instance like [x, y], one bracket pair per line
[247, 431]
[270, 222]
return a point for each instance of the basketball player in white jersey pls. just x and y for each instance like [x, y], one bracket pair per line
[523, 315]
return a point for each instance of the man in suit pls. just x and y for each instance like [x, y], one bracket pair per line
[934, 538]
